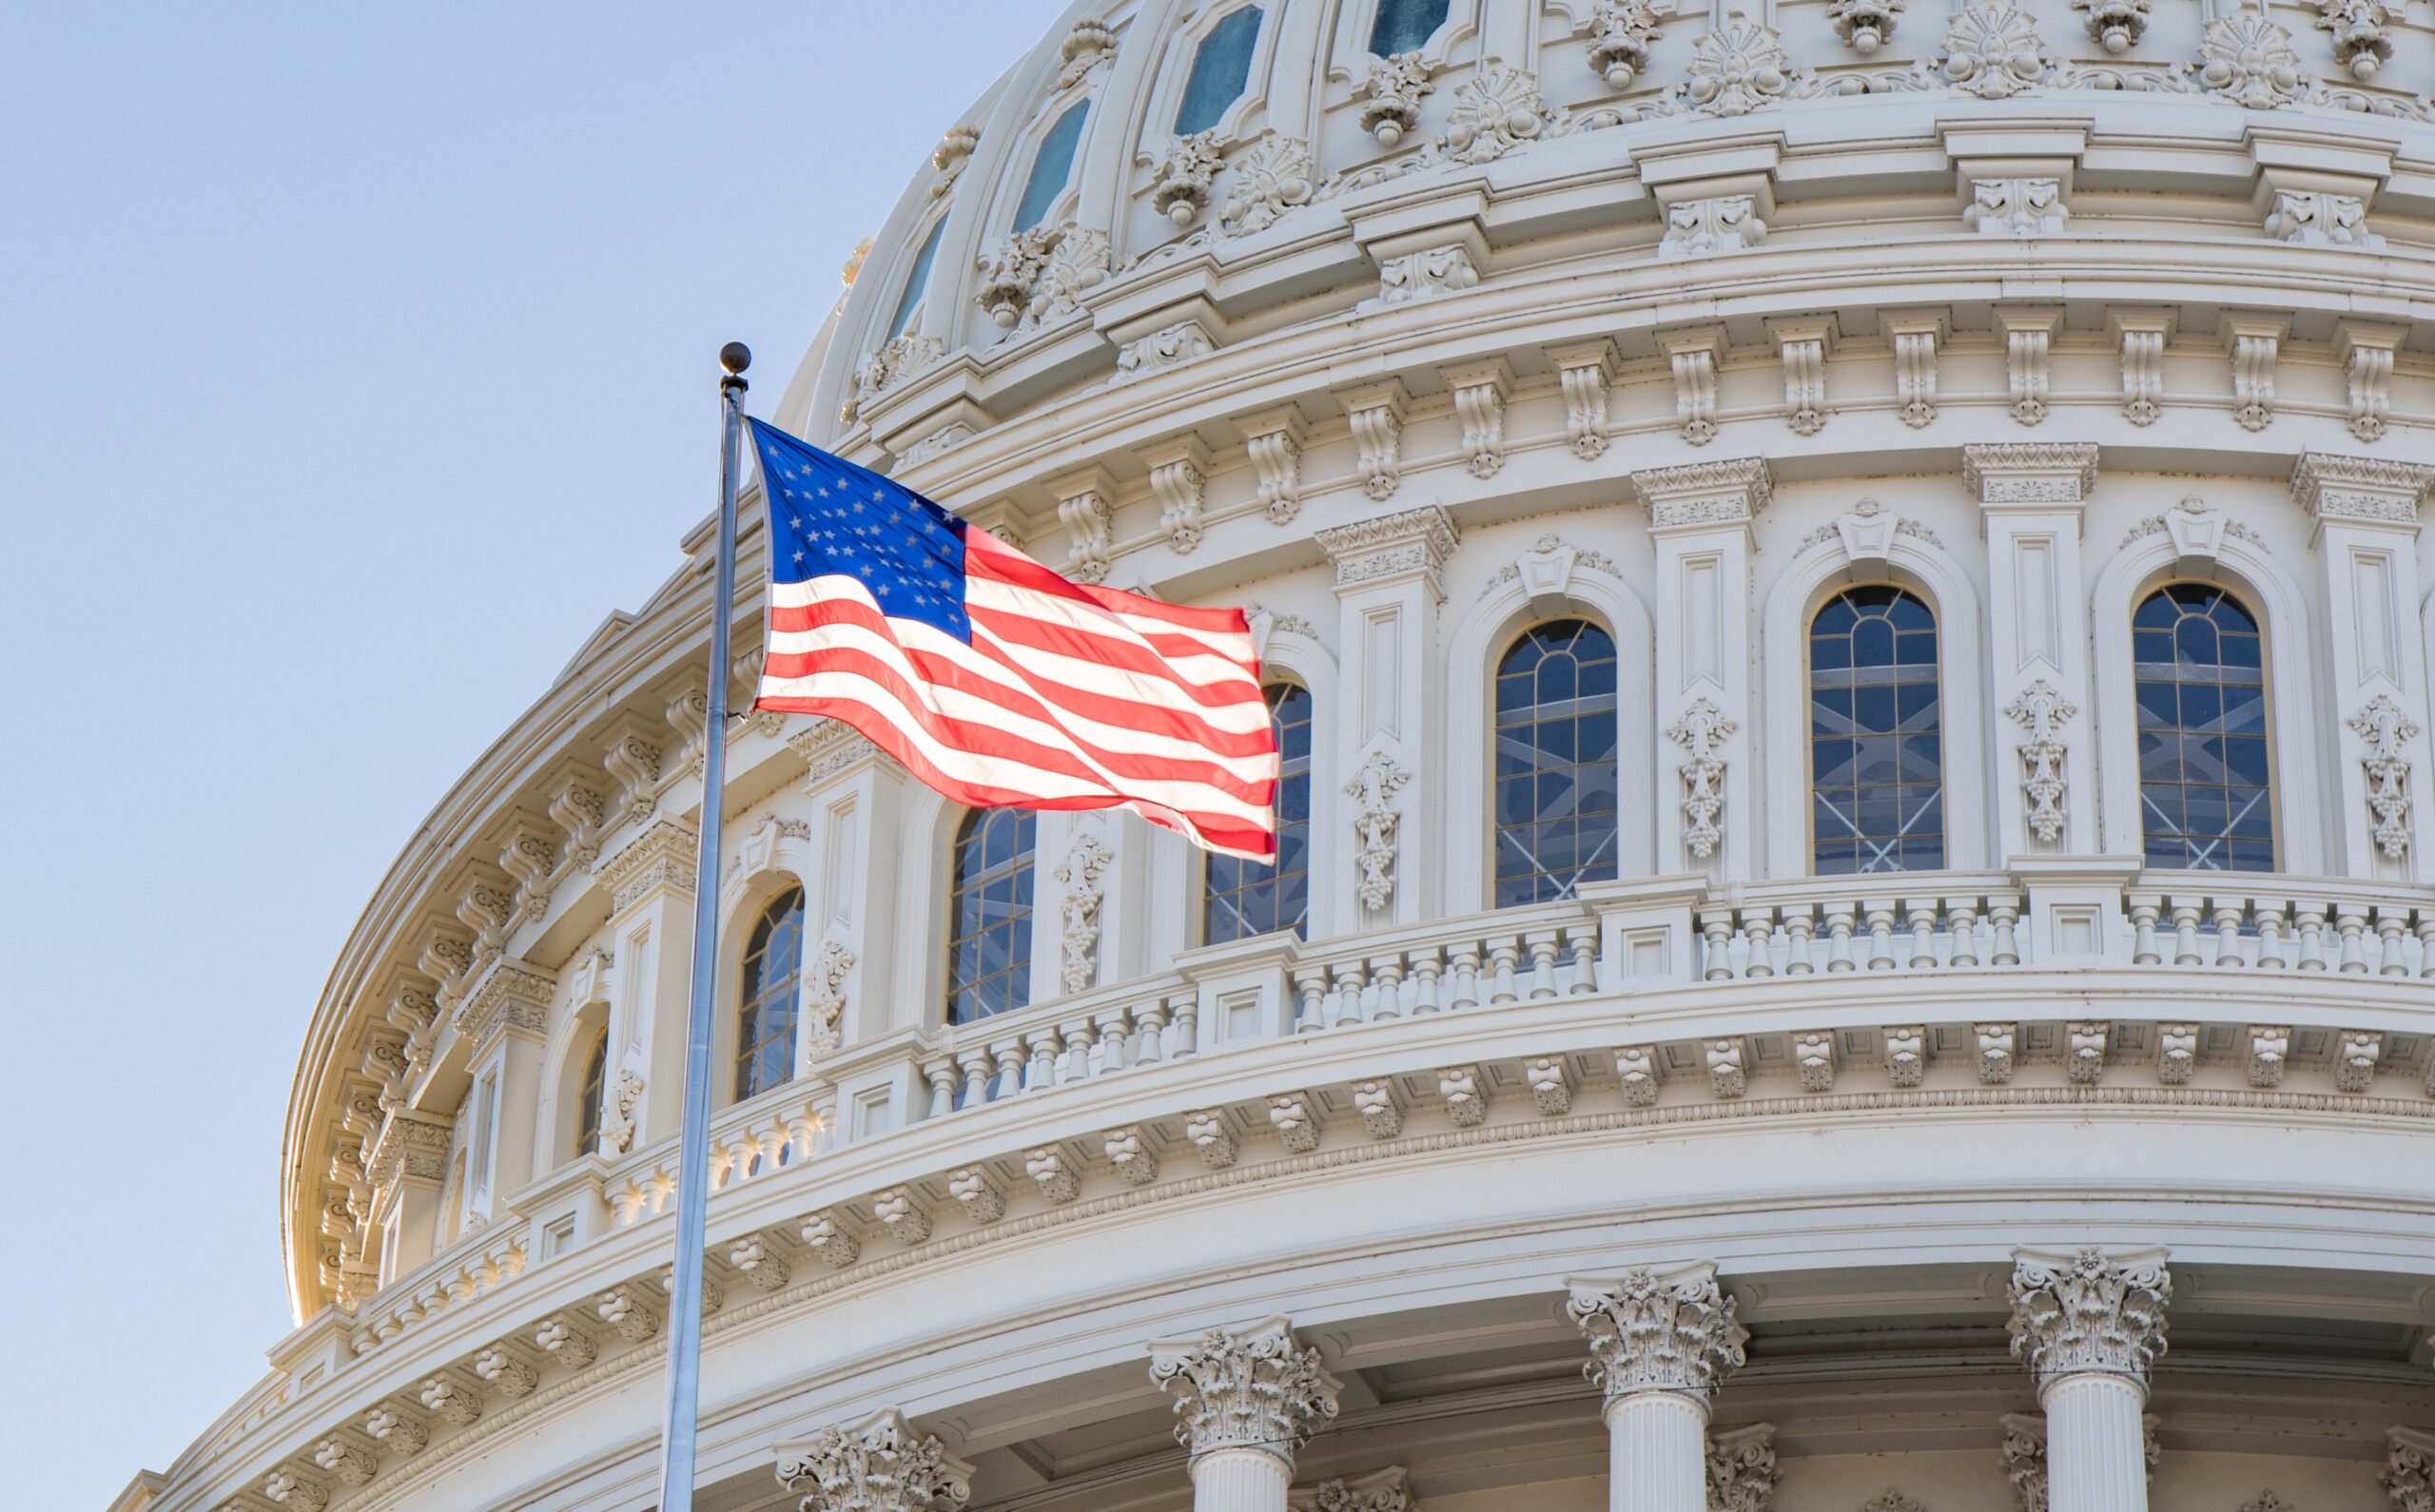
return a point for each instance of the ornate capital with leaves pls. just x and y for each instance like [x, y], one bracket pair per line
[1252, 1388]
[1659, 1330]
[2089, 1313]
[882, 1463]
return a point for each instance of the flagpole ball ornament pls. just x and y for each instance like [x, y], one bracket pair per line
[735, 356]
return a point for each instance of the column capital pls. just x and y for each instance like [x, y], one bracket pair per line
[662, 855]
[2409, 1470]
[1249, 1388]
[2047, 474]
[2082, 1313]
[829, 748]
[2360, 490]
[1668, 1330]
[1742, 1469]
[1729, 491]
[1408, 543]
[882, 1463]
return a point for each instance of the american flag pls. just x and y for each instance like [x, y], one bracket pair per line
[995, 681]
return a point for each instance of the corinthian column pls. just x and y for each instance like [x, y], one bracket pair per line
[882, 1463]
[2090, 1325]
[1246, 1399]
[1661, 1342]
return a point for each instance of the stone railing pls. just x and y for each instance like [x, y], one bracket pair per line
[2283, 924]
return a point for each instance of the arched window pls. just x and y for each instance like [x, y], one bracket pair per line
[765, 1029]
[989, 915]
[1248, 898]
[588, 1096]
[1403, 25]
[1555, 805]
[1875, 734]
[915, 282]
[2206, 796]
[1220, 67]
[1051, 166]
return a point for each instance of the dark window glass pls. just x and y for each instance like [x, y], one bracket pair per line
[587, 1116]
[1252, 897]
[2206, 796]
[1875, 747]
[1403, 25]
[989, 915]
[1220, 67]
[915, 281]
[1050, 169]
[1553, 800]
[765, 1029]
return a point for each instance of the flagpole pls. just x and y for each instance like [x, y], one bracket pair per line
[694, 1150]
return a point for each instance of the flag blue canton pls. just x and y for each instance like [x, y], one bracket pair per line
[830, 517]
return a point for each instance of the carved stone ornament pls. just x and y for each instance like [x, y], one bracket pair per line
[1252, 1388]
[2360, 43]
[2368, 489]
[1376, 416]
[1701, 731]
[1179, 480]
[2248, 59]
[1170, 346]
[1080, 874]
[2088, 1312]
[899, 360]
[1495, 111]
[1091, 43]
[288, 1488]
[1034, 277]
[2024, 1454]
[2116, 24]
[1890, 1500]
[617, 1123]
[2043, 711]
[1742, 1469]
[1384, 1490]
[2312, 218]
[2409, 1470]
[824, 992]
[1275, 175]
[1864, 25]
[830, 746]
[1737, 69]
[1373, 790]
[1426, 274]
[1274, 442]
[953, 151]
[1651, 1331]
[1090, 528]
[1695, 228]
[2266, 1501]
[2016, 207]
[2387, 729]
[882, 1463]
[662, 856]
[1180, 189]
[1992, 51]
[1391, 96]
[1410, 541]
[1621, 34]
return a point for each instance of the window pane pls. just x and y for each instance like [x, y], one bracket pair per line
[1220, 67]
[2206, 793]
[1554, 800]
[1244, 898]
[765, 1022]
[1403, 25]
[1875, 734]
[916, 281]
[989, 951]
[1051, 168]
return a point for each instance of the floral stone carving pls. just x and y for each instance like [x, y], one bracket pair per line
[1992, 51]
[1373, 790]
[1495, 111]
[880, 1465]
[2043, 711]
[1621, 34]
[1737, 69]
[1080, 873]
[1864, 25]
[1659, 1332]
[1244, 1388]
[2248, 59]
[1702, 732]
[2387, 729]
[1276, 174]
[1392, 96]
[1180, 187]
[2087, 1313]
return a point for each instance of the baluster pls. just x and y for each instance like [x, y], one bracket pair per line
[976, 1077]
[2185, 933]
[1800, 933]
[1838, 938]
[1154, 1024]
[1388, 972]
[1880, 934]
[1962, 930]
[1009, 1054]
[2269, 913]
[1075, 1063]
[1502, 956]
[2227, 931]
[1426, 965]
[2143, 926]
[2311, 937]
[2389, 925]
[1046, 1045]
[1115, 1040]
[1349, 1004]
[1923, 934]
[1542, 944]
[2426, 943]
[2003, 915]
[1759, 933]
[1466, 976]
[1583, 939]
[1187, 1016]
[939, 1075]
[2352, 921]
[1310, 991]
[1716, 925]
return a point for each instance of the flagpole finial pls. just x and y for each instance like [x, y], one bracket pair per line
[735, 356]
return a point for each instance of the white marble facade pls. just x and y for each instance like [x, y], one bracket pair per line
[1675, 1164]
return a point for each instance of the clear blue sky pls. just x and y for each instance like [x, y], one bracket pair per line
[354, 361]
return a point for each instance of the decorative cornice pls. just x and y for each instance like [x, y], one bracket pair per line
[2087, 1313]
[882, 1463]
[411, 1144]
[1731, 489]
[1414, 541]
[509, 994]
[829, 748]
[661, 855]
[1252, 1388]
[1650, 1330]
[2373, 489]
[2029, 472]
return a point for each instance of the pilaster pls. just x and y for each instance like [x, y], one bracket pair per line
[1700, 516]
[407, 1166]
[2089, 1325]
[1245, 1400]
[2366, 541]
[650, 881]
[850, 914]
[882, 1463]
[1389, 726]
[506, 1020]
[2031, 496]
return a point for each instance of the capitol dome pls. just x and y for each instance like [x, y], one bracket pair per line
[1762, 1005]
